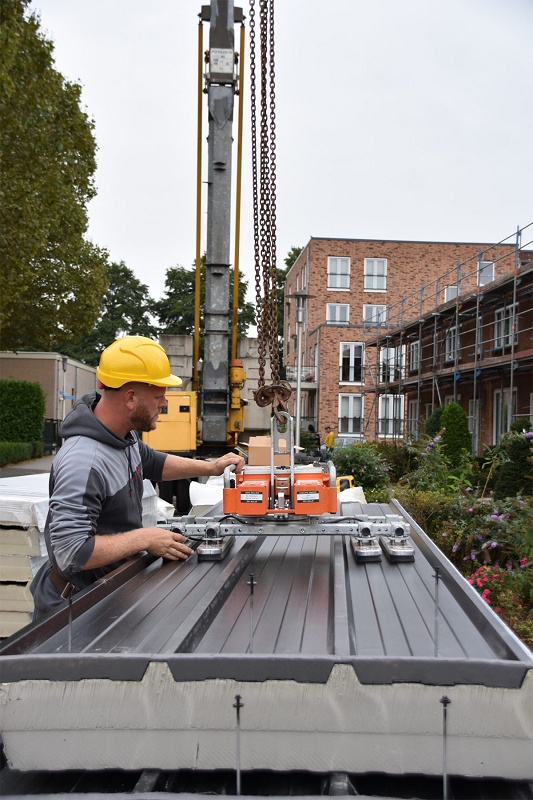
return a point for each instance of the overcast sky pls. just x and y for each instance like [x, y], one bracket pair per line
[396, 119]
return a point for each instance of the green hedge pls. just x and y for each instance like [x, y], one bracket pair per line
[14, 452]
[22, 417]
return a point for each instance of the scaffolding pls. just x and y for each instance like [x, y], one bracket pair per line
[474, 320]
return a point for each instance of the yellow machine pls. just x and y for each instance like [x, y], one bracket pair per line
[345, 482]
[176, 427]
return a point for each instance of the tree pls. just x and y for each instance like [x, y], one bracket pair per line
[456, 437]
[52, 277]
[176, 310]
[125, 311]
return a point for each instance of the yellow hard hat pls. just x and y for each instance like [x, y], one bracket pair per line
[135, 358]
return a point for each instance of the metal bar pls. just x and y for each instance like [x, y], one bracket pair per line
[445, 703]
[251, 583]
[238, 193]
[436, 627]
[237, 705]
[197, 284]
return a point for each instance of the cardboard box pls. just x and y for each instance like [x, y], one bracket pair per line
[259, 453]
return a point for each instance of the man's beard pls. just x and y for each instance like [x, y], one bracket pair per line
[141, 420]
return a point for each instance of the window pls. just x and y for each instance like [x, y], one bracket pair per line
[351, 362]
[485, 272]
[338, 273]
[391, 422]
[350, 413]
[374, 316]
[375, 275]
[503, 326]
[450, 292]
[504, 411]
[392, 363]
[413, 420]
[451, 344]
[338, 313]
[414, 356]
[473, 423]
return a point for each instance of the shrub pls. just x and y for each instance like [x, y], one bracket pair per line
[484, 532]
[309, 442]
[431, 508]
[22, 418]
[363, 461]
[456, 437]
[398, 458]
[509, 593]
[515, 474]
[433, 426]
[520, 425]
[13, 452]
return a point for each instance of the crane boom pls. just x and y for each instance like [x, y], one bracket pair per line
[220, 86]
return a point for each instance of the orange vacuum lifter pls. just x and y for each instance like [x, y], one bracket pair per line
[279, 491]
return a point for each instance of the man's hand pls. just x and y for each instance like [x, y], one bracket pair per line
[157, 541]
[221, 463]
[167, 544]
[176, 467]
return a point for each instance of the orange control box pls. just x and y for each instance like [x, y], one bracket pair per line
[314, 495]
[250, 496]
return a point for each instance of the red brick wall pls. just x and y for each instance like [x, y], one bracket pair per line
[409, 266]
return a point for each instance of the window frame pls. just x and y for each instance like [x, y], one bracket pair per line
[331, 275]
[352, 362]
[370, 275]
[451, 344]
[398, 422]
[337, 321]
[351, 430]
[381, 318]
[395, 371]
[447, 296]
[503, 333]
[414, 360]
[482, 268]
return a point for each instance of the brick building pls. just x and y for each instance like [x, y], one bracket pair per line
[356, 297]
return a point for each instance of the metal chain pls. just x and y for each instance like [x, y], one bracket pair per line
[255, 197]
[274, 351]
[264, 208]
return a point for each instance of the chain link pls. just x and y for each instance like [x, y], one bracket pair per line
[264, 206]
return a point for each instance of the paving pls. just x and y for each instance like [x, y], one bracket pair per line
[31, 467]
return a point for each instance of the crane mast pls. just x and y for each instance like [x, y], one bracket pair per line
[220, 86]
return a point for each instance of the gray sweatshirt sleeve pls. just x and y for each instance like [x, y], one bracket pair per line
[75, 505]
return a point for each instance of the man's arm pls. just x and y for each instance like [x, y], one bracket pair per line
[159, 541]
[176, 467]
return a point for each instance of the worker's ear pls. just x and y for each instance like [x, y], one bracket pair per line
[129, 396]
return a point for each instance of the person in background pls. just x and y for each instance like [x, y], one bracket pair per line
[94, 519]
[329, 441]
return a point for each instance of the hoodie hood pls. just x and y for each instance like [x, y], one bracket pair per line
[82, 422]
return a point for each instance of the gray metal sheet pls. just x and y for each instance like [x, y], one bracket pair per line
[311, 603]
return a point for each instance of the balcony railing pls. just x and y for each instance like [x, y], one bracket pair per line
[307, 374]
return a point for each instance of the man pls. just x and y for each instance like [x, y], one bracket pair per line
[329, 440]
[94, 520]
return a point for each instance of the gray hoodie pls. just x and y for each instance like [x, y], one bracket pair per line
[96, 486]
